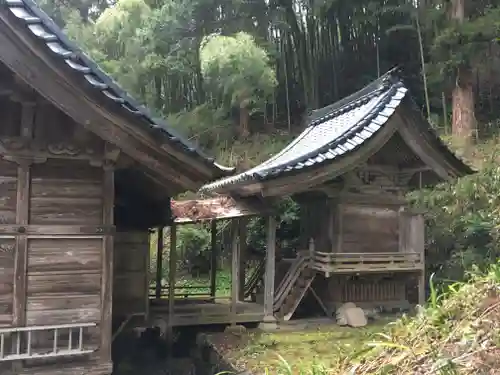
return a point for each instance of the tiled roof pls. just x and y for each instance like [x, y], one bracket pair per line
[331, 132]
[43, 28]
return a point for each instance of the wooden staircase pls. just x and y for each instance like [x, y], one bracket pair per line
[256, 279]
[293, 287]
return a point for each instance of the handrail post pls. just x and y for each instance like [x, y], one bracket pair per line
[311, 251]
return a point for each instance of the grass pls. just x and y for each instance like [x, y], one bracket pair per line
[311, 351]
[222, 285]
[184, 285]
[457, 333]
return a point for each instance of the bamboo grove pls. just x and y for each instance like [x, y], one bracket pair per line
[319, 51]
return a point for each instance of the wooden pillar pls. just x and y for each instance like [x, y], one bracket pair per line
[213, 259]
[235, 269]
[107, 264]
[243, 225]
[22, 219]
[21, 254]
[417, 244]
[340, 228]
[332, 215]
[159, 262]
[171, 276]
[403, 230]
[270, 270]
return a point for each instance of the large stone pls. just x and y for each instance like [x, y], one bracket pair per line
[269, 323]
[237, 330]
[355, 317]
[340, 313]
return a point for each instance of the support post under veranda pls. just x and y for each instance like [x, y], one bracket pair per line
[159, 262]
[171, 284]
[243, 225]
[269, 319]
[213, 260]
[235, 269]
[417, 229]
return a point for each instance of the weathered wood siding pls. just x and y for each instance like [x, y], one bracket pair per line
[53, 228]
[131, 273]
[369, 229]
[368, 291]
[65, 193]
[319, 222]
[8, 192]
[64, 270]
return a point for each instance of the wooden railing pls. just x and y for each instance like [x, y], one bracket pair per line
[288, 281]
[330, 263]
[182, 291]
[21, 343]
[254, 279]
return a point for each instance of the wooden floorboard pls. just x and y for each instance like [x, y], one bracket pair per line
[201, 313]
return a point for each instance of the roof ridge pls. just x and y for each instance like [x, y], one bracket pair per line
[359, 97]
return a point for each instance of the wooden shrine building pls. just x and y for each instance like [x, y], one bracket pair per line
[85, 171]
[349, 170]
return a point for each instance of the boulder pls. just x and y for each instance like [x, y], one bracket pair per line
[237, 330]
[340, 313]
[355, 317]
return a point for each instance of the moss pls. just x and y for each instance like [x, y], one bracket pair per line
[326, 346]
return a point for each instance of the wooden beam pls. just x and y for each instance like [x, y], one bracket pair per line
[418, 143]
[159, 262]
[270, 269]
[107, 265]
[235, 269]
[243, 227]
[213, 259]
[28, 148]
[37, 68]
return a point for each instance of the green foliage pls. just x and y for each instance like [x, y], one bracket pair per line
[457, 334]
[462, 223]
[193, 239]
[207, 126]
[461, 44]
[288, 221]
[236, 69]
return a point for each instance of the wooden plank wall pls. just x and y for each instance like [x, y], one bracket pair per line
[64, 270]
[369, 229]
[53, 226]
[315, 221]
[131, 273]
[366, 291]
[8, 192]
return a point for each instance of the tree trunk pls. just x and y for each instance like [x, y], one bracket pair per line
[463, 122]
[463, 118]
[244, 120]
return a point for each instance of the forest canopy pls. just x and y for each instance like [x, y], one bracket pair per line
[238, 77]
[313, 53]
